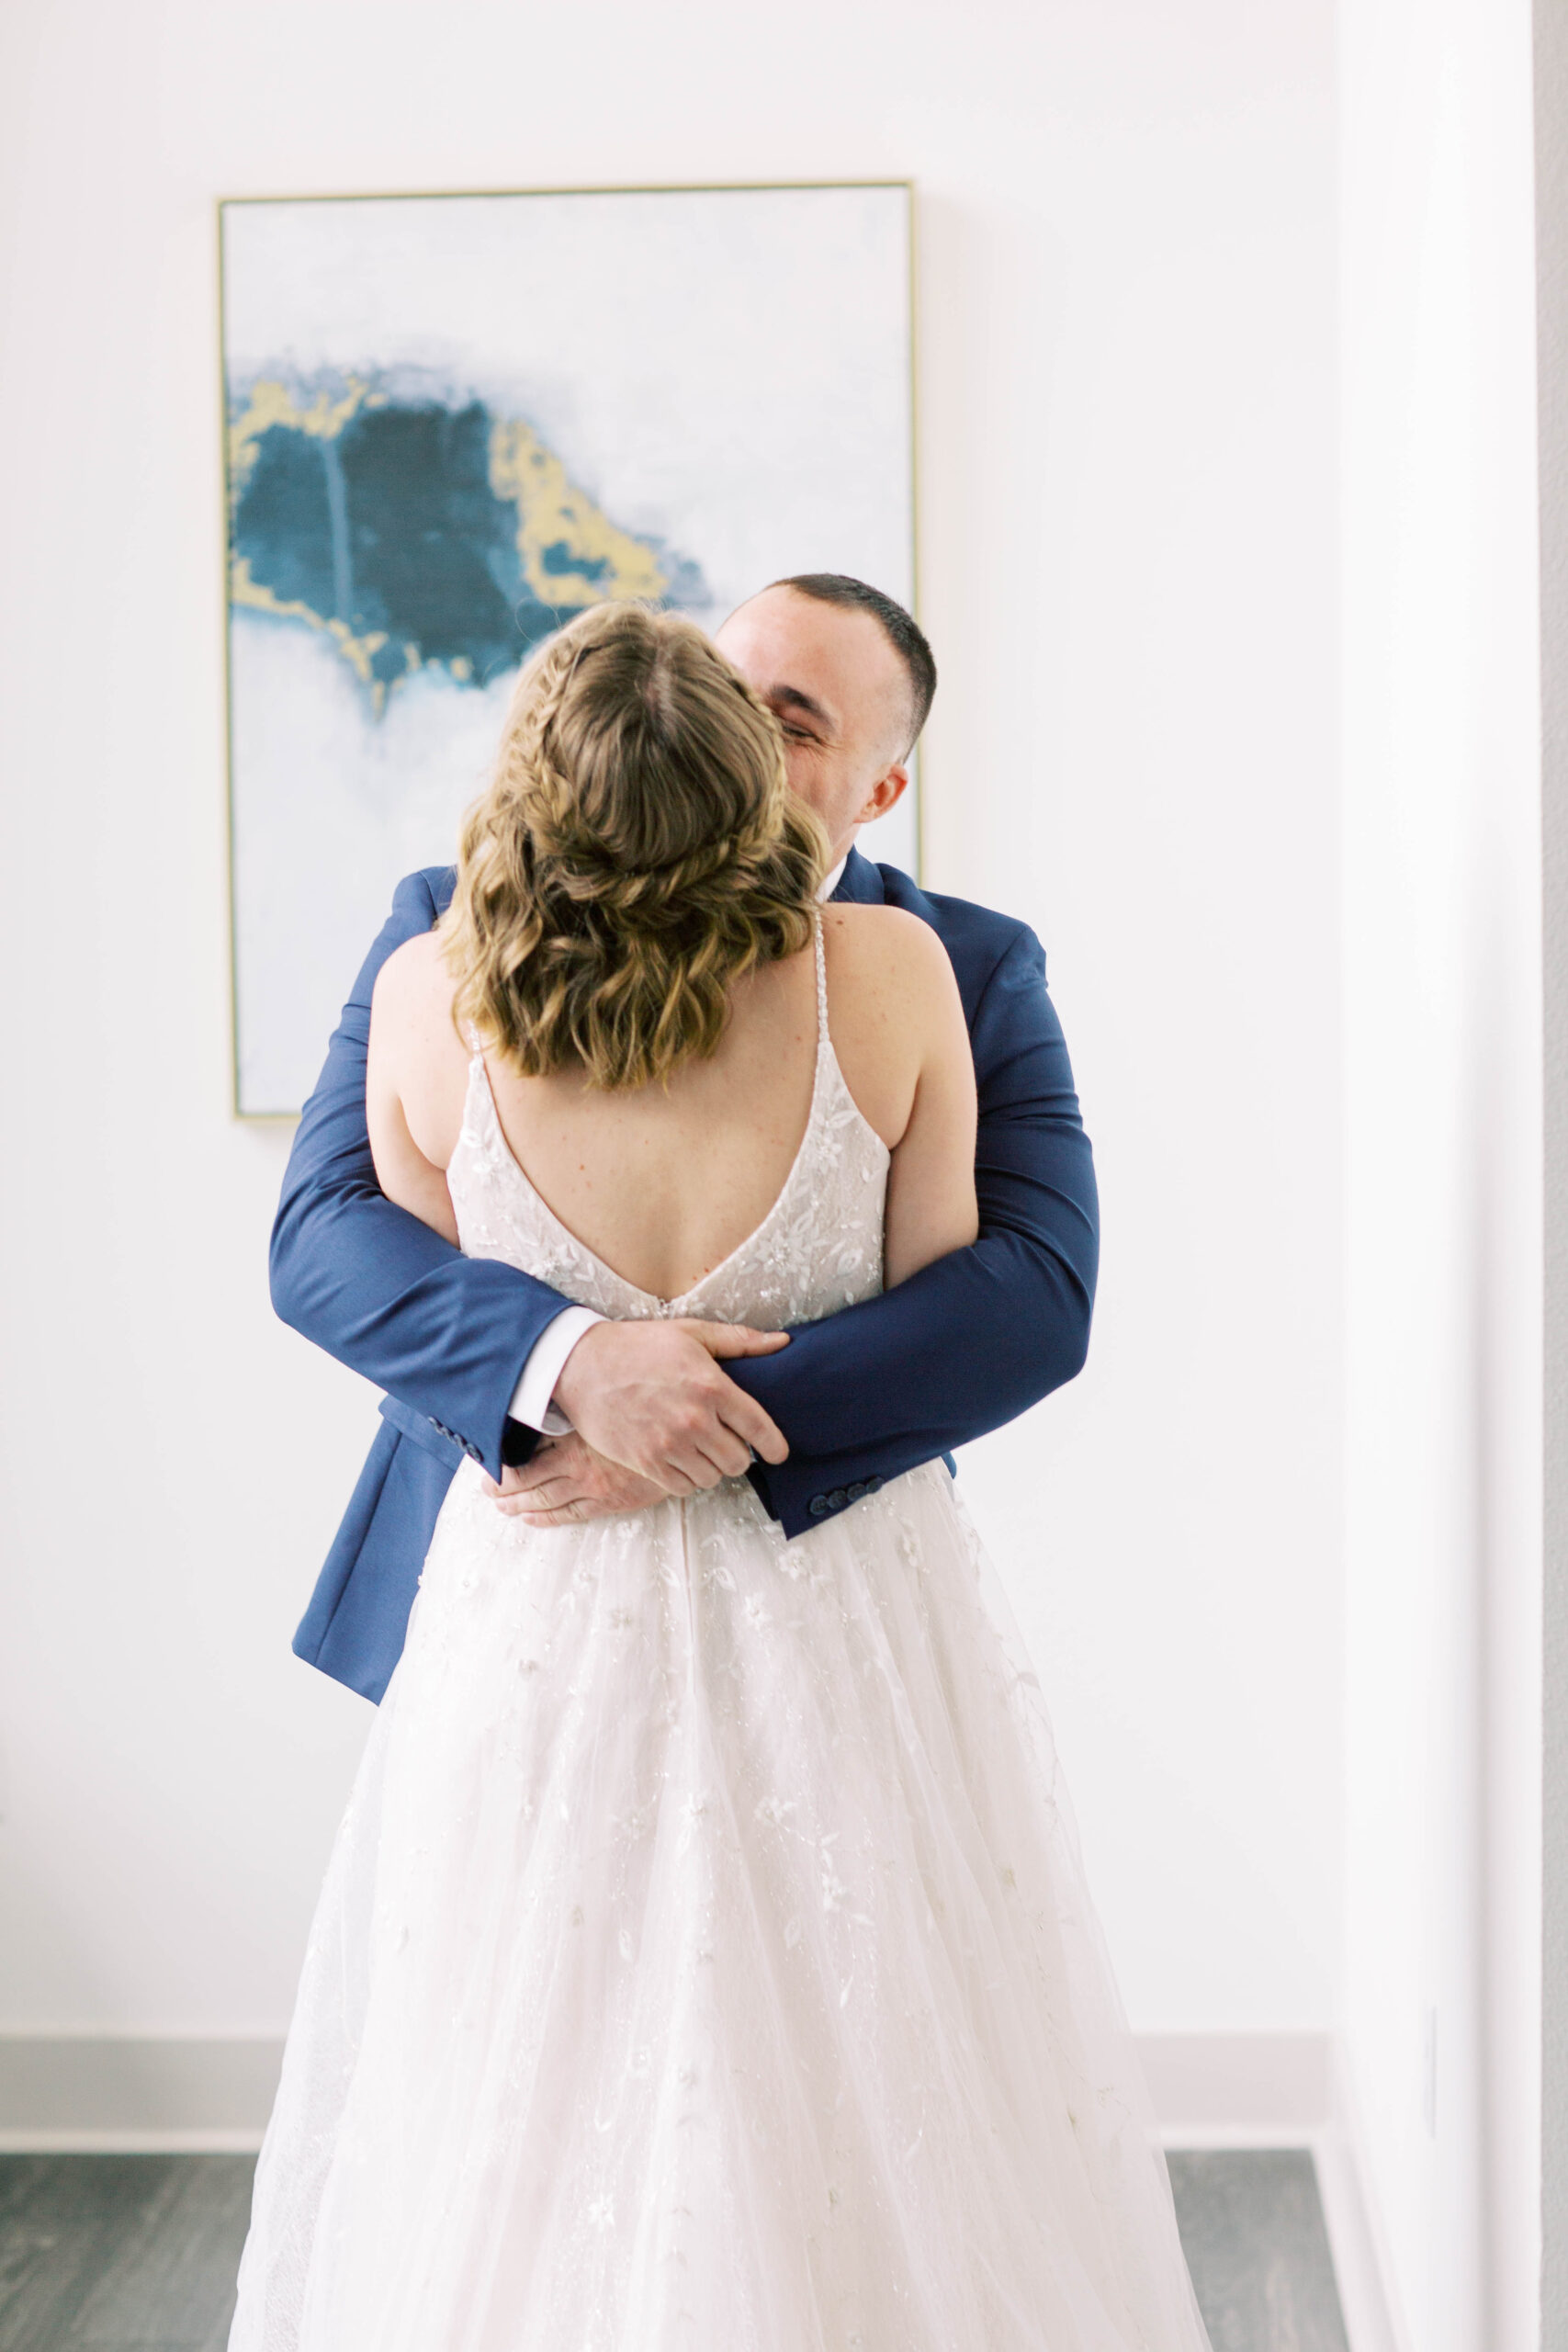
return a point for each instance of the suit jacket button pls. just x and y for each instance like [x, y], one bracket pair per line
[857, 1490]
[472, 1451]
[818, 1505]
[837, 1500]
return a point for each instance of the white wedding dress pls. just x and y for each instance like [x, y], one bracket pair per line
[705, 1960]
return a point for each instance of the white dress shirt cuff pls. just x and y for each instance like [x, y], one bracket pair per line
[531, 1398]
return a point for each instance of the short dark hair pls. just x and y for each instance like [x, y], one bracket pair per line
[903, 633]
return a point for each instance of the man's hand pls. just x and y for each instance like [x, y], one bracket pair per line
[564, 1482]
[650, 1396]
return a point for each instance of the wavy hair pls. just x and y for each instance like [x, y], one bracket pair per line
[637, 852]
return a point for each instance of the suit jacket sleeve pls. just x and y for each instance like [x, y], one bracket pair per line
[446, 1335]
[973, 1340]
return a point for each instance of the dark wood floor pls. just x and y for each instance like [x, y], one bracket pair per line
[121, 2253]
[138, 2253]
[1253, 2231]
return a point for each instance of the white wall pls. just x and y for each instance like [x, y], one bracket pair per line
[1551, 382]
[1128, 554]
[1441, 783]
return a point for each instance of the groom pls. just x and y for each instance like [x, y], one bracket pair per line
[479, 1358]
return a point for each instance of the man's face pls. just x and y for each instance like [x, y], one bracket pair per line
[841, 693]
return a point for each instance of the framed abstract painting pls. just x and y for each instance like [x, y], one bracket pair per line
[451, 422]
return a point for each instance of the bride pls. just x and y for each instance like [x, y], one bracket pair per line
[704, 1960]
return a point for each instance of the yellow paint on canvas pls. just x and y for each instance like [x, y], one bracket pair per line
[271, 403]
[552, 512]
[357, 651]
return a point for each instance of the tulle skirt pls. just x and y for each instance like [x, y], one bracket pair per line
[705, 1961]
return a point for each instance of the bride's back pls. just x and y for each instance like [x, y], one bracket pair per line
[663, 1182]
[633, 947]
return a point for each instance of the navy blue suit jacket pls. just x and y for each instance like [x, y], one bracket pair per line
[963, 1346]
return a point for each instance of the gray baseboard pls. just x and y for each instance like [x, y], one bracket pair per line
[1269, 2089]
[126, 2092]
[97, 2091]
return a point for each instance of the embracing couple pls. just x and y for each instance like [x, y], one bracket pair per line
[704, 1960]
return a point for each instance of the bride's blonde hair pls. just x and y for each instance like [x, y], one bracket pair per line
[638, 851]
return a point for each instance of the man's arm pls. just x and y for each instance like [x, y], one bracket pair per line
[971, 1341]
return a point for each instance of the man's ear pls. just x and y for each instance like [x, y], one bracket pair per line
[885, 794]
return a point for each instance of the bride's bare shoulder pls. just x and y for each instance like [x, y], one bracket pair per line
[883, 947]
[418, 964]
[893, 1007]
[413, 991]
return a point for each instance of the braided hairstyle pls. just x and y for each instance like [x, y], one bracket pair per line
[637, 852]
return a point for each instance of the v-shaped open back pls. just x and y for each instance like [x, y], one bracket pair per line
[817, 1248]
